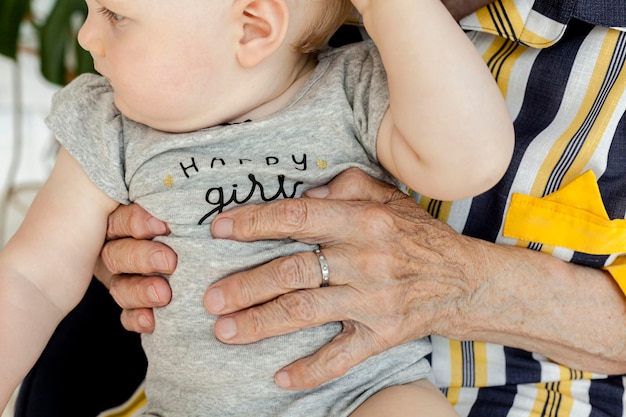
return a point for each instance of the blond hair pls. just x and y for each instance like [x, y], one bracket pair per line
[330, 15]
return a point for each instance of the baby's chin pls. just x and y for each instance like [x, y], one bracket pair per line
[155, 121]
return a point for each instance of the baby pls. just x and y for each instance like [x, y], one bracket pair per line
[207, 104]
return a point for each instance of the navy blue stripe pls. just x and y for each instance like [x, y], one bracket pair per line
[494, 401]
[543, 97]
[521, 367]
[601, 12]
[559, 10]
[467, 350]
[605, 397]
[598, 12]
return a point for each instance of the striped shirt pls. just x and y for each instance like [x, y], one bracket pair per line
[560, 65]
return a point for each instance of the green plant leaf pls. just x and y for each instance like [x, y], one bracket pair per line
[12, 14]
[62, 58]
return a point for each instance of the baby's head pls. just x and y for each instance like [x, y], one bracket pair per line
[181, 65]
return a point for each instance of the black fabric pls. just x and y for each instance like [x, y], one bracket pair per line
[610, 13]
[90, 364]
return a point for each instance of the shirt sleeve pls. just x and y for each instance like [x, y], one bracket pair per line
[366, 85]
[86, 122]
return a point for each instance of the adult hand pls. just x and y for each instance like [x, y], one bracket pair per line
[397, 274]
[127, 254]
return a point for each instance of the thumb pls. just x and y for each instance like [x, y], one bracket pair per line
[355, 185]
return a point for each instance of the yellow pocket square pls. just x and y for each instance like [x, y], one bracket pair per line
[573, 217]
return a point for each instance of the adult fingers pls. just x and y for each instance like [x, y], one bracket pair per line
[139, 291]
[137, 295]
[361, 241]
[349, 348]
[139, 320]
[133, 221]
[264, 283]
[136, 257]
[288, 313]
[309, 220]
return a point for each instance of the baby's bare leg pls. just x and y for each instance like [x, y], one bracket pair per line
[416, 399]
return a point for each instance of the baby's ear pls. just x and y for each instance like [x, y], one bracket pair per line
[264, 25]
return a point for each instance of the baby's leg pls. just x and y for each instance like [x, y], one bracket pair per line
[416, 399]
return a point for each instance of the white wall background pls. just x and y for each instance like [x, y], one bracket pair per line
[26, 146]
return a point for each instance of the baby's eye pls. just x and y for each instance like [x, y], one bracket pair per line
[110, 15]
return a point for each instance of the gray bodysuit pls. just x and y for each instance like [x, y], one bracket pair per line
[186, 179]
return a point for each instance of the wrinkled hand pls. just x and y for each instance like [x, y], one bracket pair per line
[396, 274]
[126, 255]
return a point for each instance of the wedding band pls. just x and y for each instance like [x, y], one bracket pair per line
[324, 267]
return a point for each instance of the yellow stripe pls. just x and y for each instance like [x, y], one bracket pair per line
[599, 127]
[453, 395]
[480, 367]
[501, 57]
[129, 409]
[504, 19]
[607, 112]
[436, 208]
[555, 399]
[488, 19]
[456, 364]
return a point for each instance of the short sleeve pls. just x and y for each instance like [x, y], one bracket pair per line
[86, 122]
[366, 86]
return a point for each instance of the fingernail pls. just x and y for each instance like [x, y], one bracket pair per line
[227, 328]
[319, 192]
[156, 227]
[223, 228]
[215, 300]
[282, 379]
[159, 261]
[153, 296]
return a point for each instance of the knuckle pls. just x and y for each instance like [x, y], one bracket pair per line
[302, 306]
[244, 292]
[137, 223]
[291, 272]
[380, 221]
[257, 321]
[340, 359]
[294, 213]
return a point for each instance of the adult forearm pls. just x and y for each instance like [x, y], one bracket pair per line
[530, 300]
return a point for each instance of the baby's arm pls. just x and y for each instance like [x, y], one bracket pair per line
[47, 265]
[447, 133]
